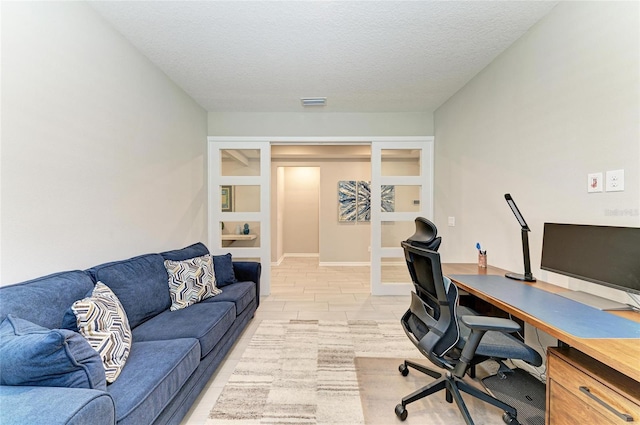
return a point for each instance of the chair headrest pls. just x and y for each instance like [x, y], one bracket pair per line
[426, 234]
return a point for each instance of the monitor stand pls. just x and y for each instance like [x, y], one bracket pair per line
[595, 301]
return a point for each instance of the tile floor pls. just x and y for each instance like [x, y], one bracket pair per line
[301, 289]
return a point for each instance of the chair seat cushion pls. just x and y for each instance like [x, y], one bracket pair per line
[154, 373]
[498, 344]
[239, 293]
[505, 346]
[205, 322]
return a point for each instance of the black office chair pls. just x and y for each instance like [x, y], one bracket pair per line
[454, 344]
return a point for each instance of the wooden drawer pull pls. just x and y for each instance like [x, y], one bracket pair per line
[625, 417]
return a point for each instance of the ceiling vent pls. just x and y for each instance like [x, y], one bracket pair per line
[313, 101]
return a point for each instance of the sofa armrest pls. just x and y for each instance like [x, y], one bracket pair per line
[246, 271]
[55, 405]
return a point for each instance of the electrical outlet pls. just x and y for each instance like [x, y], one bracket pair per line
[615, 181]
[594, 182]
[452, 221]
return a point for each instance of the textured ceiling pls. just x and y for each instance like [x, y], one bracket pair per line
[364, 56]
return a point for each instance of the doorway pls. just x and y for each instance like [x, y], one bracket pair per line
[397, 168]
[297, 212]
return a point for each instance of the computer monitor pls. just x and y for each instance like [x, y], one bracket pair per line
[606, 255]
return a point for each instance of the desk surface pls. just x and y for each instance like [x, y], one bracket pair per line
[618, 353]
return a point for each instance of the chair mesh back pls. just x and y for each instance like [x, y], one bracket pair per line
[440, 301]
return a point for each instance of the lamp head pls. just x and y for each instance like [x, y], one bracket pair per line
[516, 212]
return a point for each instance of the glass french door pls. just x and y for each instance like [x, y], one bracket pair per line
[239, 203]
[401, 190]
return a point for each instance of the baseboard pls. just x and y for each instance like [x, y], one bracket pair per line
[348, 264]
[294, 255]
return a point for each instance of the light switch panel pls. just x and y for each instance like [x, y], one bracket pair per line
[594, 182]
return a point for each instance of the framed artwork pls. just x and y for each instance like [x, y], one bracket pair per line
[226, 193]
[364, 201]
[388, 198]
[347, 200]
[354, 200]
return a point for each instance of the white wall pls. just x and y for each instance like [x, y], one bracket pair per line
[561, 102]
[103, 157]
[314, 122]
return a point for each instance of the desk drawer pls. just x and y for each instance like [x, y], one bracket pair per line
[564, 408]
[588, 387]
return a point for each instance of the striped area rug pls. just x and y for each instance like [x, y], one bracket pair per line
[303, 372]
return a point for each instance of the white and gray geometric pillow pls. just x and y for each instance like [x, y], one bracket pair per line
[104, 324]
[191, 281]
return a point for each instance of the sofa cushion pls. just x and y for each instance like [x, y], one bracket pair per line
[103, 322]
[190, 281]
[223, 269]
[140, 283]
[154, 374]
[195, 250]
[36, 356]
[239, 293]
[203, 321]
[44, 300]
[55, 406]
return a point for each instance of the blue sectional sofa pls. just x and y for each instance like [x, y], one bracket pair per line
[173, 353]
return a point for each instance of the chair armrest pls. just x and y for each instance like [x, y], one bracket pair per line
[479, 325]
[484, 323]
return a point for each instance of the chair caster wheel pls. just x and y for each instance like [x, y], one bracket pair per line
[401, 412]
[509, 419]
[404, 370]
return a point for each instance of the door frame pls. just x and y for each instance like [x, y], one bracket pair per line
[424, 179]
[216, 215]
[214, 143]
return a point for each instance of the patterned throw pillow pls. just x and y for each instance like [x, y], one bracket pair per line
[191, 281]
[103, 322]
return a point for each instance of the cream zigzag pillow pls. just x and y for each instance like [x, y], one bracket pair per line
[104, 324]
[191, 281]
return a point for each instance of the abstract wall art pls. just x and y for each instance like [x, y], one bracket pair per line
[364, 201]
[347, 196]
[354, 200]
[388, 198]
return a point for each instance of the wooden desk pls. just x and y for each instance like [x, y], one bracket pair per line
[620, 354]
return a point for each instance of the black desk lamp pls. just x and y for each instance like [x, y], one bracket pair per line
[527, 276]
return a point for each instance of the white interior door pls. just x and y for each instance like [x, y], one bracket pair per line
[401, 190]
[239, 201]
